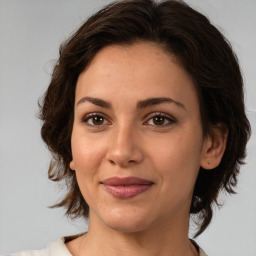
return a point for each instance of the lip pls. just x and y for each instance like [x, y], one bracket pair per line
[127, 187]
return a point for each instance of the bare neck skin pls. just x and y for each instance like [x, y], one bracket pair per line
[162, 239]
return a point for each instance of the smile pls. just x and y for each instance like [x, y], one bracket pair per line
[124, 188]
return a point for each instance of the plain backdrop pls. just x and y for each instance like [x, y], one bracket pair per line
[30, 34]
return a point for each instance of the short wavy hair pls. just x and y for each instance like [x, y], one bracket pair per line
[202, 51]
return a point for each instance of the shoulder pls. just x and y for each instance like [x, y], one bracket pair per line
[56, 248]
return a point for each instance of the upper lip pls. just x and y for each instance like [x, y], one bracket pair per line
[126, 181]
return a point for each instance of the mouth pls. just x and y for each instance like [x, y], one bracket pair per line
[124, 188]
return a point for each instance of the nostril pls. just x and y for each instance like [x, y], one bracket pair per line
[113, 162]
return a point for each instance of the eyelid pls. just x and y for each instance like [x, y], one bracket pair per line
[170, 118]
[86, 117]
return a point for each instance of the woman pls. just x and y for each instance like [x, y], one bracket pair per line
[145, 119]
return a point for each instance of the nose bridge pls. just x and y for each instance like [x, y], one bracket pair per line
[124, 148]
[123, 132]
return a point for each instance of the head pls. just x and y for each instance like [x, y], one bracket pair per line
[197, 47]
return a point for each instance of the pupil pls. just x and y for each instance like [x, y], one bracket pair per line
[158, 120]
[97, 120]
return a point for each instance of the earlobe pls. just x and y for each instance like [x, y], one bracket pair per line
[72, 165]
[214, 147]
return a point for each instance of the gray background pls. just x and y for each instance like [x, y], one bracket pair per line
[30, 34]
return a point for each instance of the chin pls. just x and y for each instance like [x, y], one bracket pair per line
[127, 226]
[127, 221]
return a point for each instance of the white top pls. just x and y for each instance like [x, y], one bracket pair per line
[59, 248]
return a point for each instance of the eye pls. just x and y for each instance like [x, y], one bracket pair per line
[95, 119]
[160, 120]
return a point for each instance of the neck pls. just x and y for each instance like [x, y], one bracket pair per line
[167, 239]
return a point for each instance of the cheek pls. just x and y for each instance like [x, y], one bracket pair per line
[178, 160]
[87, 158]
[86, 152]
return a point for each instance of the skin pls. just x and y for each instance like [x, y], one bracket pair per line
[126, 140]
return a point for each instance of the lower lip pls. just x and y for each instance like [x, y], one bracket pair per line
[124, 192]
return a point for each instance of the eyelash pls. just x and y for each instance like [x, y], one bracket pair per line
[165, 117]
[90, 116]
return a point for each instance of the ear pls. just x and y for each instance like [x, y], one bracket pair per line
[214, 146]
[72, 165]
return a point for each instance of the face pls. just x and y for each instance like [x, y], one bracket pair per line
[137, 140]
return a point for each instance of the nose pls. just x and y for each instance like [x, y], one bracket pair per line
[125, 148]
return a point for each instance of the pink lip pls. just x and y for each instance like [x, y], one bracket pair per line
[127, 187]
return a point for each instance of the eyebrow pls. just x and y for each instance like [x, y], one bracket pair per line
[141, 104]
[155, 101]
[95, 101]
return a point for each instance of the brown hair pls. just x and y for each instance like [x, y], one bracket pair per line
[204, 53]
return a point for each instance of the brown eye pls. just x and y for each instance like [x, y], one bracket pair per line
[95, 120]
[158, 120]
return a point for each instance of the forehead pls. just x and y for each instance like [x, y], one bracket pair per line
[137, 71]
